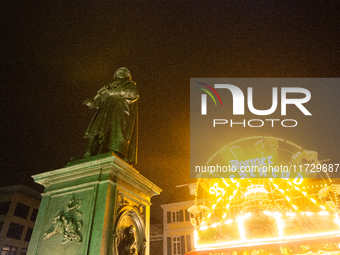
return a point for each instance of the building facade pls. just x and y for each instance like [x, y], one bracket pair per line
[156, 237]
[177, 229]
[18, 211]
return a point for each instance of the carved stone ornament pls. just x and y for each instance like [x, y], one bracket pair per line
[140, 209]
[67, 222]
[122, 201]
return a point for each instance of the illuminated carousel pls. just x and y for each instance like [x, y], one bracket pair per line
[279, 199]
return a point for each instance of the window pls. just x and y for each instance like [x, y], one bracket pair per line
[175, 216]
[4, 207]
[21, 210]
[23, 251]
[8, 250]
[1, 225]
[28, 234]
[34, 214]
[176, 245]
[15, 231]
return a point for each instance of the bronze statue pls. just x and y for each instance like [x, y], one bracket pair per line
[127, 245]
[114, 126]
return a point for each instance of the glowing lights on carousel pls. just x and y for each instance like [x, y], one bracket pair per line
[320, 252]
[284, 251]
[259, 211]
[258, 192]
[255, 189]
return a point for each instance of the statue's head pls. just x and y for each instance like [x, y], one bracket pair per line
[129, 234]
[122, 73]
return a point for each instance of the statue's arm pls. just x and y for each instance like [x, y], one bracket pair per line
[130, 92]
[92, 103]
[98, 99]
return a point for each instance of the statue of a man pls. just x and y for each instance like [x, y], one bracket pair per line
[128, 244]
[114, 126]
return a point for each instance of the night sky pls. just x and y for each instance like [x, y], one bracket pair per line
[55, 54]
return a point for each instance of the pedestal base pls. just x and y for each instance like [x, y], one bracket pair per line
[98, 206]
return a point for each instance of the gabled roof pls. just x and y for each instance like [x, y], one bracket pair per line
[181, 194]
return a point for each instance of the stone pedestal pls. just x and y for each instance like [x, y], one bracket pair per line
[95, 206]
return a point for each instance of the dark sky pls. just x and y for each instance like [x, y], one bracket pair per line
[55, 54]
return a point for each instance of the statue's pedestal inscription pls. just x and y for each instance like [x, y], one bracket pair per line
[100, 206]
